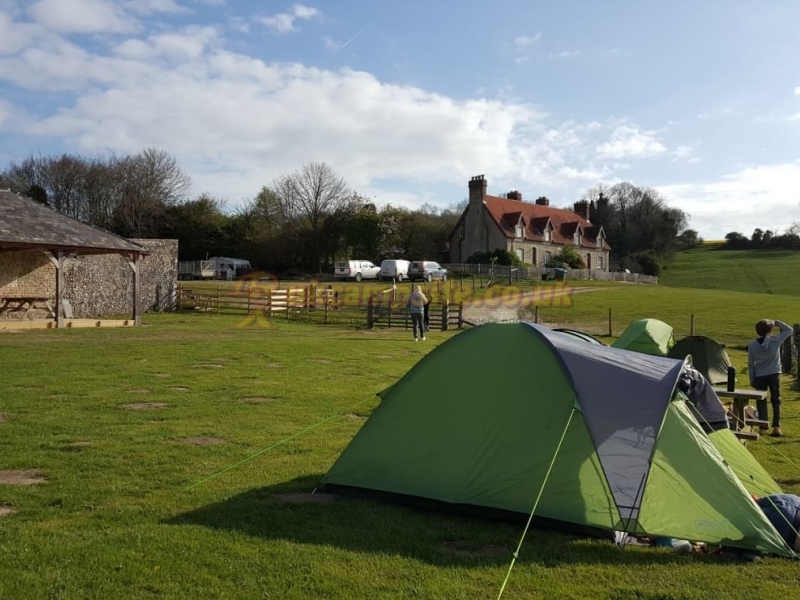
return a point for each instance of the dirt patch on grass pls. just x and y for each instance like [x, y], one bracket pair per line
[207, 366]
[145, 405]
[258, 400]
[274, 365]
[75, 446]
[386, 356]
[355, 416]
[202, 441]
[6, 510]
[3, 417]
[324, 361]
[222, 359]
[305, 498]
[23, 477]
[179, 389]
[163, 375]
[139, 391]
[483, 552]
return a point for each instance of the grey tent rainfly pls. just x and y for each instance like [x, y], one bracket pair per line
[577, 434]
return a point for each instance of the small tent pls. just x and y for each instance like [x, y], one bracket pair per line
[577, 434]
[708, 357]
[649, 336]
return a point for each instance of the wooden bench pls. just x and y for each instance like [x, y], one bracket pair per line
[25, 304]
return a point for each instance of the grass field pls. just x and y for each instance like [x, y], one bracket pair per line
[757, 271]
[121, 425]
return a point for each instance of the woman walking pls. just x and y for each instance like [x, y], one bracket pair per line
[416, 307]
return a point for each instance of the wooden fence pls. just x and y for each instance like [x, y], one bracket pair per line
[321, 304]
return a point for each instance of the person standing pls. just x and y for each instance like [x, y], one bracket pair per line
[764, 369]
[416, 307]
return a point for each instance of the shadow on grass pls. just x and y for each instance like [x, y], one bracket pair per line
[289, 511]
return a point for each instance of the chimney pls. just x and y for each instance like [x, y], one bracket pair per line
[515, 195]
[582, 209]
[477, 190]
[542, 201]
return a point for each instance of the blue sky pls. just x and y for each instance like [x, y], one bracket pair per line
[407, 100]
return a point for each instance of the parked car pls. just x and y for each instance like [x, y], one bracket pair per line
[427, 270]
[394, 269]
[356, 269]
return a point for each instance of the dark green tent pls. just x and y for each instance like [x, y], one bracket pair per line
[707, 356]
[506, 417]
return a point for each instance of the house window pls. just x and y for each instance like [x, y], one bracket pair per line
[521, 254]
[461, 232]
[547, 235]
[519, 231]
[600, 264]
[599, 241]
[576, 239]
[547, 258]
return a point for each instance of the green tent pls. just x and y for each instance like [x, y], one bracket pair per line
[649, 336]
[589, 435]
[707, 356]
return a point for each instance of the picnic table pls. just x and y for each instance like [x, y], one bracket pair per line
[25, 304]
[741, 398]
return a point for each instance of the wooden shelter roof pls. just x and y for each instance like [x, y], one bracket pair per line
[26, 224]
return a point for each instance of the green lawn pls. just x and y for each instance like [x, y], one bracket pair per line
[117, 516]
[757, 271]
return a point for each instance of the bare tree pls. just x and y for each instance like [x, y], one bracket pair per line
[148, 183]
[310, 197]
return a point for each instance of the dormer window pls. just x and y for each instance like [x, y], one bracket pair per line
[576, 239]
[599, 241]
[547, 237]
[519, 231]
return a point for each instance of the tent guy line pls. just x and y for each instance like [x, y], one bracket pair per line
[283, 441]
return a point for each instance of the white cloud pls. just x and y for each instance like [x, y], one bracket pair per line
[630, 142]
[149, 7]
[82, 16]
[522, 59]
[761, 196]
[565, 54]
[285, 22]
[797, 91]
[234, 122]
[522, 41]
[239, 24]
[795, 117]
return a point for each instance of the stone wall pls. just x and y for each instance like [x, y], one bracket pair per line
[95, 285]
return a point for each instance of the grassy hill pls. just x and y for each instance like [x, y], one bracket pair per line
[757, 271]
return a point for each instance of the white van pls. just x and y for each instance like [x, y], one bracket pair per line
[395, 269]
[356, 269]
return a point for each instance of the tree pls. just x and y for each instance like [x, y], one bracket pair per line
[689, 239]
[736, 241]
[148, 184]
[568, 257]
[309, 196]
[636, 219]
[199, 227]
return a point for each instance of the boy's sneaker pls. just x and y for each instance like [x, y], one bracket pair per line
[775, 432]
[423, 338]
[416, 340]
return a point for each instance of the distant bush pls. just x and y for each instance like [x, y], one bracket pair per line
[568, 257]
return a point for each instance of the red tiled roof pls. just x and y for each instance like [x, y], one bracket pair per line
[564, 222]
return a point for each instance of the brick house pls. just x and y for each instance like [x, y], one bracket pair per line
[535, 232]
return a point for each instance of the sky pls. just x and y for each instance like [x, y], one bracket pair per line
[407, 100]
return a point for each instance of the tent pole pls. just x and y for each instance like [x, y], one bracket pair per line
[536, 504]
